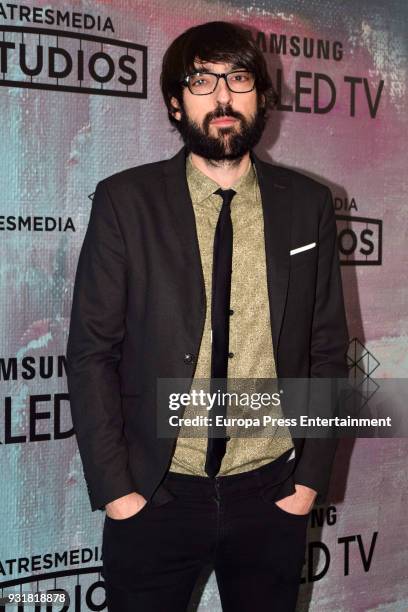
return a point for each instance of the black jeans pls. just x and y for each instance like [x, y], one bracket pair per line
[151, 560]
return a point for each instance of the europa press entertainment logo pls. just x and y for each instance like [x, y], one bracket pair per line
[59, 60]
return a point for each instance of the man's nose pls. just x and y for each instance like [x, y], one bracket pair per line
[222, 93]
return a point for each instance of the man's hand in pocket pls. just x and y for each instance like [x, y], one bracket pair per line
[300, 502]
[125, 506]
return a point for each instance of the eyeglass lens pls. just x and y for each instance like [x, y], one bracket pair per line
[239, 82]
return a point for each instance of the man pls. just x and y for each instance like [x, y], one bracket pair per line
[212, 264]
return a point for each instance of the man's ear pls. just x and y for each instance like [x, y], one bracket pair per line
[176, 110]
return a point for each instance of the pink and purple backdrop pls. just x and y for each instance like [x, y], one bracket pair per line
[57, 144]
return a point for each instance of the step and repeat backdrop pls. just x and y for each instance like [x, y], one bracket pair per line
[80, 100]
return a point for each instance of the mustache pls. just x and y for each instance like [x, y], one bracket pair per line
[226, 111]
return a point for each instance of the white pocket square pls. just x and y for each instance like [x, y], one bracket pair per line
[303, 248]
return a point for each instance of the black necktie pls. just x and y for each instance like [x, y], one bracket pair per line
[220, 304]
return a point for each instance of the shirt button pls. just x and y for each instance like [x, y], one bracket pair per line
[231, 311]
[230, 354]
[188, 358]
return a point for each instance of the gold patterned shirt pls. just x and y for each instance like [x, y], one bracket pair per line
[250, 338]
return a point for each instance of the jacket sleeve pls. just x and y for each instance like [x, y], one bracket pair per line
[329, 344]
[96, 331]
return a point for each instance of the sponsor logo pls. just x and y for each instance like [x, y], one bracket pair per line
[39, 58]
[359, 240]
[362, 365]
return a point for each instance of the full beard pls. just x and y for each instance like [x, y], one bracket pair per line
[230, 144]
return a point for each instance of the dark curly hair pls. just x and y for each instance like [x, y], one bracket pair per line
[215, 41]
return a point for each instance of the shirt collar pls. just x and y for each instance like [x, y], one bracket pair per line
[202, 186]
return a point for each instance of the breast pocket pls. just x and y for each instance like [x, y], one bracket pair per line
[303, 255]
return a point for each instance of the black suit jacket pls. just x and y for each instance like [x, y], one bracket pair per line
[139, 306]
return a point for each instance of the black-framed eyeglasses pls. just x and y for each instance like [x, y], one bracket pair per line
[204, 83]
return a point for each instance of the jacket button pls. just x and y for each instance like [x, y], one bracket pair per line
[230, 355]
[188, 358]
[231, 311]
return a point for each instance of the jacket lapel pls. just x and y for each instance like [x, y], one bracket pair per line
[181, 211]
[276, 194]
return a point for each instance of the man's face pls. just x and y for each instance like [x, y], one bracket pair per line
[223, 124]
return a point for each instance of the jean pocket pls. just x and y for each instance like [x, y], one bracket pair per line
[129, 519]
[270, 494]
[290, 515]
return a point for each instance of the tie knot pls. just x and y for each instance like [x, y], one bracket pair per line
[226, 194]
